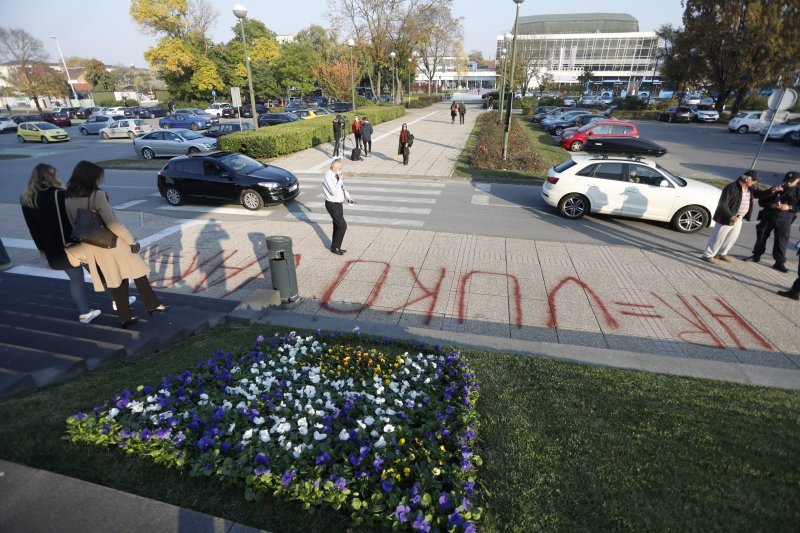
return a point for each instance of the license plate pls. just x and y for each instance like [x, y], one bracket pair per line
[293, 188]
[60, 136]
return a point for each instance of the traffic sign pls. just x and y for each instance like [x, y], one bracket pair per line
[782, 99]
[236, 97]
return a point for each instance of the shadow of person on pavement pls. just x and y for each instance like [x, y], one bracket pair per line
[302, 214]
[210, 255]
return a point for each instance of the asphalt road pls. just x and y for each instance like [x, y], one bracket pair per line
[695, 150]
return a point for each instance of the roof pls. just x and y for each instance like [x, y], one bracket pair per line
[578, 23]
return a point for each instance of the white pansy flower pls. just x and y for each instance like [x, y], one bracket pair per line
[380, 443]
[373, 433]
[136, 406]
[226, 405]
[369, 420]
[264, 435]
[361, 424]
[164, 392]
[258, 420]
[231, 427]
[388, 428]
[248, 434]
[113, 412]
[320, 436]
[390, 411]
[344, 435]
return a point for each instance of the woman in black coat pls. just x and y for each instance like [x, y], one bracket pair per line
[43, 207]
[404, 143]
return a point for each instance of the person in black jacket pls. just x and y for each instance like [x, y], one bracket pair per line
[337, 134]
[778, 214]
[366, 136]
[43, 207]
[735, 203]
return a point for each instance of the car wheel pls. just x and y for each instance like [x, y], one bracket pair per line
[576, 146]
[147, 153]
[194, 126]
[193, 150]
[173, 196]
[573, 206]
[21, 139]
[44, 140]
[84, 131]
[104, 135]
[252, 200]
[558, 131]
[741, 129]
[131, 135]
[690, 219]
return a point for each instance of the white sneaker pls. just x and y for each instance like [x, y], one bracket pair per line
[131, 301]
[88, 317]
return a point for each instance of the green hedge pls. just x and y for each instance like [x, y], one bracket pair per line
[646, 114]
[273, 141]
[424, 101]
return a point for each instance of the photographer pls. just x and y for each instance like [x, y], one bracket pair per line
[338, 133]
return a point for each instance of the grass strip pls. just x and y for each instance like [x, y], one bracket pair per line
[565, 447]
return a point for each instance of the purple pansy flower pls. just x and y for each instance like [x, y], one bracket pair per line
[340, 483]
[420, 524]
[444, 500]
[401, 512]
[386, 485]
[322, 459]
[287, 478]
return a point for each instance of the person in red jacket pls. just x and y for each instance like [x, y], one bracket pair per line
[356, 127]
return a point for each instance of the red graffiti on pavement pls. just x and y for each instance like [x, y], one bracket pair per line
[516, 297]
[552, 322]
[326, 298]
[741, 324]
[433, 294]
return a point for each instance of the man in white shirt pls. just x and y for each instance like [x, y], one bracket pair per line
[335, 195]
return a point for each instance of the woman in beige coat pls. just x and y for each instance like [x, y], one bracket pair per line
[109, 267]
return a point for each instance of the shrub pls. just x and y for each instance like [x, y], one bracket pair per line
[644, 114]
[424, 101]
[274, 141]
[487, 152]
[551, 100]
[632, 103]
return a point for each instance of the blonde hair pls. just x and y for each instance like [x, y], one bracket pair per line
[42, 177]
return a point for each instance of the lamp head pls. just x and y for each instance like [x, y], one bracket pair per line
[392, 55]
[518, 2]
[240, 11]
[351, 43]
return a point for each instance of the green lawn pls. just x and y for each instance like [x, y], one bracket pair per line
[565, 447]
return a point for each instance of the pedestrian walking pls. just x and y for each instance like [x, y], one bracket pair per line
[778, 212]
[111, 268]
[405, 141]
[335, 195]
[356, 128]
[735, 203]
[366, 136]
[45, 214]
[462, 110]
[337, 134]
[453, 112]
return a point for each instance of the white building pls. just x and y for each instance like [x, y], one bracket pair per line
[448, 75]
[621, 57]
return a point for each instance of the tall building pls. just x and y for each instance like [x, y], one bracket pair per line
[621, 57]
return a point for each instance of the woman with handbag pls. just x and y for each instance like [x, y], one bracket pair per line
[43, 208]
[112, 262]
[405, 142]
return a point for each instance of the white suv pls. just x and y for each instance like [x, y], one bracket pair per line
[216, 109]
[629, 186]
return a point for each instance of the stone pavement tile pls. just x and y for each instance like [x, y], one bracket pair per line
[575, 316]
[525, 270]
[339, 309]
[485, 307]
[531, 288]
[563, 289]
[712, 353]
[390, 296]
[352, 291]
[379, 315]
[313, 286]
[325, 267]
[306, 306]
[581, 338]
[367, 270]
[534, 333]
[631, 343]
[521, 247]
[420, 301]
[534, 312]
[489, 283]
[764, 358]
[414, 319]
[484, 327]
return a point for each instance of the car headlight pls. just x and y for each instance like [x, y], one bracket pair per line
[269, 185]
[209, 145]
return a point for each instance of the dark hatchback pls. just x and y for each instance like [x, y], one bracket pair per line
[59, 118]
[248, 112]
[226, 177]
[19, 119]
[273, 119]
[339, 107]
[218, 130]
[152, 112]
[230, 112]
[84, 112]
[676, 114]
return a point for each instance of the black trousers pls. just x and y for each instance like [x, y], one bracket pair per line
[336, 212]
[461, 118]
[336, 147]
[406, 152]
[358, 140]
[120, 295]
[781, 224]
[796, 285]
[367, 146]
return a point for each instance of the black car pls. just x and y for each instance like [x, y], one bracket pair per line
[549, 111]
[247, 111]
[676, 114]
[558, 126]
[295, 105]
[84, 112]
[340, 107]
[230, 112]
[273, 119]
[218, 130]
[152, 112]
[226, 177]
[19, 119]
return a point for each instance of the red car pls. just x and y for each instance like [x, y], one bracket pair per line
[605, 128]
[60, 119]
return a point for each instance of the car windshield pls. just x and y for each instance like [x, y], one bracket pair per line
[191, 135]
[705, 107]
[677, 179]
[241, 163]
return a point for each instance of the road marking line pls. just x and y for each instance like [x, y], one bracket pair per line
[388, 189]
[217, 210]
[381, 221]
[379, 208]
[483, 187]
[397, 182]
[480, 199]
[400, 200]
[174, 229]
[328, 161]
[128, 204]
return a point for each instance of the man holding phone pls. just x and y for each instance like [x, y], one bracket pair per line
[335, 195]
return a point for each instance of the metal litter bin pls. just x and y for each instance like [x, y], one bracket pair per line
[281, 268]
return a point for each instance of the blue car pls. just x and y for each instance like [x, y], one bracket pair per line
[178, 120]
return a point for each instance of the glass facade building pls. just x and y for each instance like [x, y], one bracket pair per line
[621, 57]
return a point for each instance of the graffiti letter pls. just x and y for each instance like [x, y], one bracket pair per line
[551, 303]
[326, 298]
[462, 296]
[433, 294]
[740, 322]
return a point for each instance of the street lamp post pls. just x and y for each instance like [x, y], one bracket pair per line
[503, 56]
[411, 71]
[66, 71]
[393, 55]
[692, 53]
[351, 43]
[241, 12]
[630, 73]
[511, 84]
[653, 79]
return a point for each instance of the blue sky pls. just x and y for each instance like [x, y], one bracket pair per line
[103, 29]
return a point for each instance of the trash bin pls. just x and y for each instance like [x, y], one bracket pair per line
[281, 268]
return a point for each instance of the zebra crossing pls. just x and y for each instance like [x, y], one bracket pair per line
[382, 202]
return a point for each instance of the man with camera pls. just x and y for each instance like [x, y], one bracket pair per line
[778, 212]
[335, 195]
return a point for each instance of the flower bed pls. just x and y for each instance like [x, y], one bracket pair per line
[386, 437]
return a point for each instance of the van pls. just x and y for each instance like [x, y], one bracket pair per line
[755, 121]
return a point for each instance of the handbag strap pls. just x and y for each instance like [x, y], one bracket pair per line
[60, 224]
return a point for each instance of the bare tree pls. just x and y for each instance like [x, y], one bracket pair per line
[201, 17]
[27, 55]
[442, 34]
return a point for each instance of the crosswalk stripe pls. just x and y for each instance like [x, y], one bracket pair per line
[382, 221]
[393, 199]
[218, 210]
[397, 191]
[378, 208]
[129, 204]
[397, 182]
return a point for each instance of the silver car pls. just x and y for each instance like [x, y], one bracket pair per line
[95, 123]
[212, 119]
[130, 127]
[163, 143]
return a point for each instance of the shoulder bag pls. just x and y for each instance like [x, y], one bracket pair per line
[90, 228]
